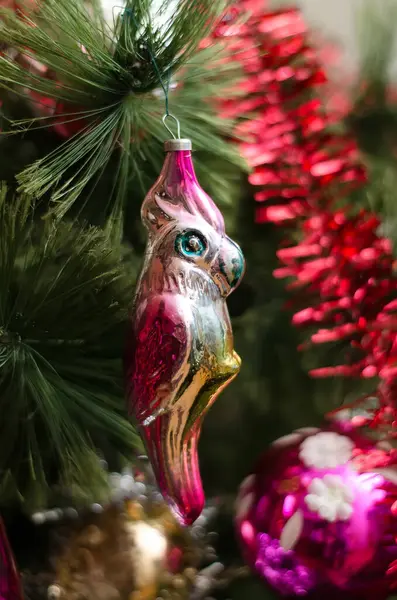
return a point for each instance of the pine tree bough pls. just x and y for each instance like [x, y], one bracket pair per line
[105, 82]
[64, 296]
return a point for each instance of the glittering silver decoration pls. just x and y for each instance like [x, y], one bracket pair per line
[71, 513]
[124, 486]
[206, 581]
[54, 592]
[38, 518]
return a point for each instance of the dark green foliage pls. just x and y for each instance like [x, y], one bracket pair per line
[66, 288]
[373, 119]
[64, 295]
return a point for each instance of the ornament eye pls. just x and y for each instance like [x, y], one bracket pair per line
[190, 244]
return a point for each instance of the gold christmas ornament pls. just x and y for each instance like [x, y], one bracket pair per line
[130, 552]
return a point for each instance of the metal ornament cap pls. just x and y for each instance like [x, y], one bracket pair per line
[174, 145]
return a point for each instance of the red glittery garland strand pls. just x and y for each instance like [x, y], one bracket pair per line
[342, 270]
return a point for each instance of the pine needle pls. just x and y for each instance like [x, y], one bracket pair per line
[64, 294]
[376, 36]
[110, 79]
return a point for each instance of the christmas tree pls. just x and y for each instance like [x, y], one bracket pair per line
[306, 188]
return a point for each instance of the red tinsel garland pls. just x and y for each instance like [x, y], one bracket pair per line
[342, 269]
[298, 162]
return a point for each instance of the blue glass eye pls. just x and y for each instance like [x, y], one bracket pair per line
[190, 244]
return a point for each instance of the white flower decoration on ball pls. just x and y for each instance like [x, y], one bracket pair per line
[326, 450]
[330, 498]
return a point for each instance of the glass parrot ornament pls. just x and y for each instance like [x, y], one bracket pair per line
[180, 352]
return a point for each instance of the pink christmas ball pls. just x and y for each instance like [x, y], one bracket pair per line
[318, 517]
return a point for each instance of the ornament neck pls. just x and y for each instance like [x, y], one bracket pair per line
[186, 282]
[178, 165]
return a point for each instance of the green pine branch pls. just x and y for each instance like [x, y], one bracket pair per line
[373, 118]
[376, 36]
[110, 82]
[64, 294]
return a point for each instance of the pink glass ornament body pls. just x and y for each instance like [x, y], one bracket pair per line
[10, 588]
[180, 349]
[316, 520]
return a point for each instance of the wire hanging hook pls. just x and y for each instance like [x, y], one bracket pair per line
[178, 125]
[165, 86]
